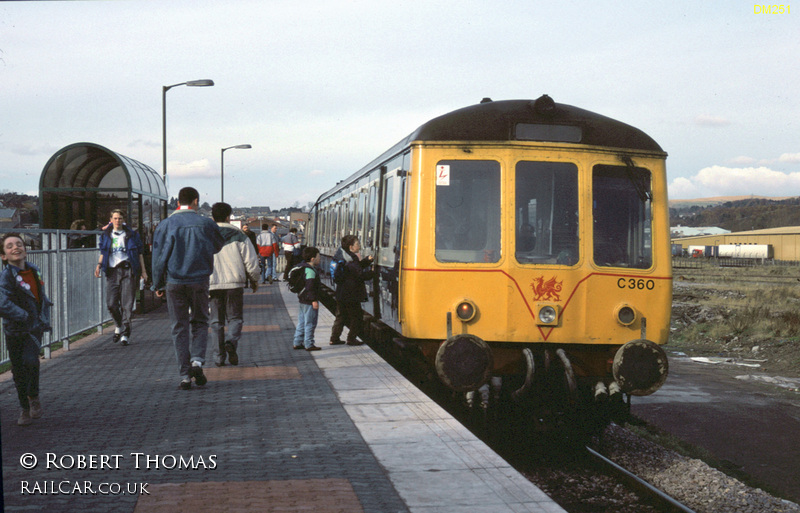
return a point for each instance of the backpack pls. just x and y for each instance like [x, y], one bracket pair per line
[336, 271]
[297, 279]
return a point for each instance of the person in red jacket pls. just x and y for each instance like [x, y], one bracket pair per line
[267, 242]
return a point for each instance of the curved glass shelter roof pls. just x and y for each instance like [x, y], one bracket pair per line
[86, 181]
[91, 166]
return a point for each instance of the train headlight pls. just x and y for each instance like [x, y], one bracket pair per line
[466, 310]
[547, 314]
[625, 315]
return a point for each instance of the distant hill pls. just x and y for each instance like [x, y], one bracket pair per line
[684, 204]
[736, 214]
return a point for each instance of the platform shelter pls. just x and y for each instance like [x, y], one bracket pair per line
[87, 181]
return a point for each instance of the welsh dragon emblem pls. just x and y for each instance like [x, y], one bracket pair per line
[546, 290]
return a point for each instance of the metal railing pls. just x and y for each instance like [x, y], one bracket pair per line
[78, 297]
[79, 302]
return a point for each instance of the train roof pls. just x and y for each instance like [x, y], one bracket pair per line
[501, 121]
[519, 120]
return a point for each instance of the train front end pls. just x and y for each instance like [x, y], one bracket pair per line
[542, 258]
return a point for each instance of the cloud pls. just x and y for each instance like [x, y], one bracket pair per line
[706, 120]
[683, 188]
[734, 181]
[786, 158]
[316, 172]
[197, 169]
[742, 161]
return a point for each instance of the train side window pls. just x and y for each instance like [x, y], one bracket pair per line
[342, 220]
[325, 223]
[546, 206]
[389, 213]
[334, 230]
[372, 216]
[468, 211]
[362, 208]
[621, 202]
[351, 216]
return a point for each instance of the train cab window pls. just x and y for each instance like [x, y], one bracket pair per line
[622, 221]
[546, 207]
[468, 211]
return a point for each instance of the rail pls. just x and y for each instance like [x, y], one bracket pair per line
[78, 297]
[660, 500]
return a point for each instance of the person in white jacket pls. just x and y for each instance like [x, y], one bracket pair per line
[233, 265]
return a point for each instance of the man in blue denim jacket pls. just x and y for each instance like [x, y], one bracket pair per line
[184, 245]
[25, 310]
[122, 261]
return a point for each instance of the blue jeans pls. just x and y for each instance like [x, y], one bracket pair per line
[306, 324]
[188, 313]
[268, 268]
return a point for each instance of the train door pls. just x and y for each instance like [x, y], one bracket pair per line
[388, 240]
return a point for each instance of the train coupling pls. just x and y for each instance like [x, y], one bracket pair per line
[640, 367]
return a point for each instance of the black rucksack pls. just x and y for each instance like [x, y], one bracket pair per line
[297, 279]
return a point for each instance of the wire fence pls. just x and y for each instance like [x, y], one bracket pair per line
[686, 262]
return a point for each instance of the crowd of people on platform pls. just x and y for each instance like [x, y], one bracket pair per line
[201, 267]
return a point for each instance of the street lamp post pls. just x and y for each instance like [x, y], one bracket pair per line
[164, 89]
[222, 167]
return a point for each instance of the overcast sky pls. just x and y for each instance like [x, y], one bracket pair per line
[320, 88]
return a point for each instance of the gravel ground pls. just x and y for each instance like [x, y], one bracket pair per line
[690, 481]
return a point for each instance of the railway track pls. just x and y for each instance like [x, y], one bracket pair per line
[615, 490]
[649, 493]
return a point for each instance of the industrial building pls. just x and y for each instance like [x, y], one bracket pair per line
[784, 241]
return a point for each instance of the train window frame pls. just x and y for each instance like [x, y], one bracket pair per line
[622, 212]
[547, 226]
[334, 223]
[372, 216]
[362, 209]
[460, 238]
[388, 217]
[351, 219]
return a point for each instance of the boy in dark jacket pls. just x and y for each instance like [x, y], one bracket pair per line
[25, 310]
[309, 302]
[351, 292]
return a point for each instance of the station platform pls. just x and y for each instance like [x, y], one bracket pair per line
[336, 430]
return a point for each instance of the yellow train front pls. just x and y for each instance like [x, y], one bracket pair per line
[532, 245]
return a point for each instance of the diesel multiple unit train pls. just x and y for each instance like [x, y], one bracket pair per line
[521, 246]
